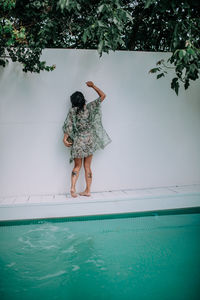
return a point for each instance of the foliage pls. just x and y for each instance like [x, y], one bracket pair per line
[19, 33]
[29, 26]
[187, 65]
[183, 20]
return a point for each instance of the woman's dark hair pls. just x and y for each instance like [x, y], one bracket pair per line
[78, 100]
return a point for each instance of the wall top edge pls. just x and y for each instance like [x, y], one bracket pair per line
[126, 51]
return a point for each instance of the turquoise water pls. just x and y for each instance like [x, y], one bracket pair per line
[151, 257]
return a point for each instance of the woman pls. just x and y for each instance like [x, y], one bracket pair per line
[84, 133]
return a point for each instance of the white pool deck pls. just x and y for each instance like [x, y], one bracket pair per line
[100, 203]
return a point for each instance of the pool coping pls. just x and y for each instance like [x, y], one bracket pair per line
[160, 199]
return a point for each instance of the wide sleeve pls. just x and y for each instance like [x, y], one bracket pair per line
[68, 124]
[101, 136]
[94, 108]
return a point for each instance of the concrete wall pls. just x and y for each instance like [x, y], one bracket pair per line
[155, 134]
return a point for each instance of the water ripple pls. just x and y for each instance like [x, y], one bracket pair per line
[52, 275]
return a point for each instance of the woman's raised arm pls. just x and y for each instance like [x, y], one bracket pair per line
[99, 92]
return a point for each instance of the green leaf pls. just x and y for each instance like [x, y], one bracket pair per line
[186, 85]
[100, 46]
[181, 53]
[186, 59]
[160, 62]
[129, 16]
[160, 75]
[84, 37]
[100, 8]
[175, 85]
[191, 51]
[177, 88]
[100, 23]
[148, 3]
[115, 21]
[154, 70]
[175, 43]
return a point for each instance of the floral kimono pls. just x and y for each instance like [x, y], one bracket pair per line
[86, 130]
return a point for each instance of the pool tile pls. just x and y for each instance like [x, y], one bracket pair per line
[136, 193]
[1, 200]
[186, 189]
[162, 191]
[8, 200]
[21, 199]
[98, 195]
[48, 198]
[34, 199]
[117, 194]
[68, 198]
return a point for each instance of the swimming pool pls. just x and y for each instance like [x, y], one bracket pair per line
[129, 256]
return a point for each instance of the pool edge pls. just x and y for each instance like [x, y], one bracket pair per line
[176, 211]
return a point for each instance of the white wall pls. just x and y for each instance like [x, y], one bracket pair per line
[155, 134]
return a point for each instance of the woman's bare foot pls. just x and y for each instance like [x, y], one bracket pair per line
[85, 193]
[73, 193]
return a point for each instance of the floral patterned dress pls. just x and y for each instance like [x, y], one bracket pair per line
[86, 130]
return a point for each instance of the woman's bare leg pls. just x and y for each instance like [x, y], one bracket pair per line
[88, 175]
[74, 175]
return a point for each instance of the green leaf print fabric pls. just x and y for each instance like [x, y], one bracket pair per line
[86, 130]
